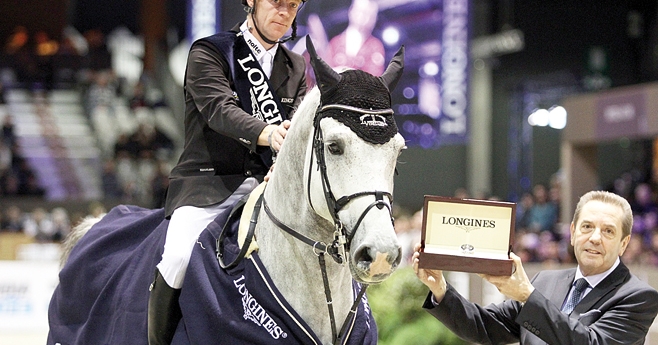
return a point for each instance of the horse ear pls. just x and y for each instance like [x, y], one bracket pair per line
[325, 76]
[394, 70]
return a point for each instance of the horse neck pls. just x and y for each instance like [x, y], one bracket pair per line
[292, 264]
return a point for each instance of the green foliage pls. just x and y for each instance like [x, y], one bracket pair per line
[397, 307]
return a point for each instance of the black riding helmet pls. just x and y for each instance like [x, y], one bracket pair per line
[293, 26]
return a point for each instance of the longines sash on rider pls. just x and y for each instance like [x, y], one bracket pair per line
[252, 86]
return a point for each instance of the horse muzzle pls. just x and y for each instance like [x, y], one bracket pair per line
[373, 264]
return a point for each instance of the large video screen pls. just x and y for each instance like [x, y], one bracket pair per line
[430, 101]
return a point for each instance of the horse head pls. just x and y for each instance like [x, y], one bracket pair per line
[351, 164]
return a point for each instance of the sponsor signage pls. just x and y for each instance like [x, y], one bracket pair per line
[453, 121]
[621, 115]
[25, 291]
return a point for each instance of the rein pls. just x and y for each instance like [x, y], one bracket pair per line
[319, 249]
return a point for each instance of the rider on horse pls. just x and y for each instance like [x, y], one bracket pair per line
[241, 87]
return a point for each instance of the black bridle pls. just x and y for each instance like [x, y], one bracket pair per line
[342, 237]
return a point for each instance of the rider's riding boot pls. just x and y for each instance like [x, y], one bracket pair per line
[164, 312]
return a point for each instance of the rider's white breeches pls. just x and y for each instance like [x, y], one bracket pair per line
[185, 226]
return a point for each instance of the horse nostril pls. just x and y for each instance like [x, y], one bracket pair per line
[366, 255]
[363, 256]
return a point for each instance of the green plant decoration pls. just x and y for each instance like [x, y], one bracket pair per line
[397, 308]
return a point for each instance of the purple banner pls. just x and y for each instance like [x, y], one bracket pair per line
[431, 99]
[621, 115]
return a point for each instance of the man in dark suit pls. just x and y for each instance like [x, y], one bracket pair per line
[241, 88]
[599, 302]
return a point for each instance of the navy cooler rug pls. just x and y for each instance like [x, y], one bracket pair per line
[102, 297]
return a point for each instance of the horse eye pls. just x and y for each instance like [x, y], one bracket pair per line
[334, 149]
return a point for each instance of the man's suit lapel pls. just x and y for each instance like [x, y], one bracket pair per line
[603, 290]
[561, 288]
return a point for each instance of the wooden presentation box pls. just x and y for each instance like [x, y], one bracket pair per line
[467, 235]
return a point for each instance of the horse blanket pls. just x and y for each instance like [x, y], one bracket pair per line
[102, 296]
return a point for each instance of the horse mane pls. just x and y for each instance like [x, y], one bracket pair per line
[309, 105]
[75, 235]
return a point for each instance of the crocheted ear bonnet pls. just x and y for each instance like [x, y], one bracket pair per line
[361, 102]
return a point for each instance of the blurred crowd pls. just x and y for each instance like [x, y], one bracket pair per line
[136, 154]
[123, 113]
[16, 175]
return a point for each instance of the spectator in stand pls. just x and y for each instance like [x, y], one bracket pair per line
[10, 185]
[44, 50]
[20, 54]
[98, 58]
[149, 140]
[2, 93]
[5, 164]
[39, 225]
[68, 59]
[159, 184]
[14, 220]
[543, 214]
[61, 223]
[138, 98]
[526, 245]
[27, 181]
[523, 212]
[645, 211]
[31, 186]
[110, 181]
[101, 93]
[8, 133]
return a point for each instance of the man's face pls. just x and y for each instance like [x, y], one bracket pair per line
[597, 237]
[274, 17]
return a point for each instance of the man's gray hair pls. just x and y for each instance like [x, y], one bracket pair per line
[608, 198]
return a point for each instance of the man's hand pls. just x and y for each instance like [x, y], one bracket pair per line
[269, 174]
[432, 278]
[517, 286]
[276, 134]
